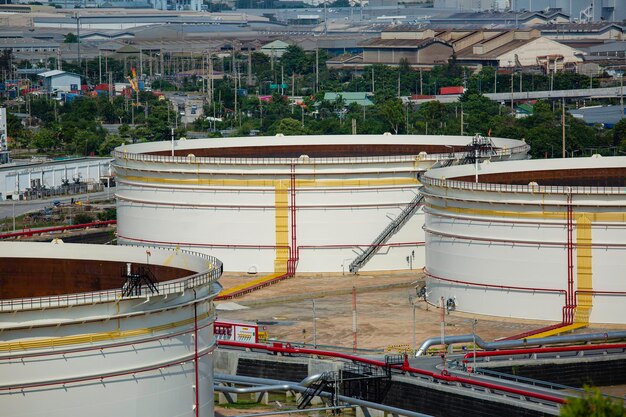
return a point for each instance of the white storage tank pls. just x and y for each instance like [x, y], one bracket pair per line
[273, 204]
[540, 239]
[84, 332]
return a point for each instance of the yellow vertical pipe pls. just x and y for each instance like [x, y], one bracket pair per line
[584, 273]
[281, 202]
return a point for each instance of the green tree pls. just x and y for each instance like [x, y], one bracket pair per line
[593, 404]
[619, 135]
[44, 140]
[295, 60]
[393, 112]
[70, 38]
[288, 127]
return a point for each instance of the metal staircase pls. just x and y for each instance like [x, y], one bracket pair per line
[384, 236]
[479, 148]
[135, 280]
[326, 382]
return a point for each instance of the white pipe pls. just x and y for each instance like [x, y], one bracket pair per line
[505, 344]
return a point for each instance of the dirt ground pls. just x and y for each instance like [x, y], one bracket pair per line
[384, 312]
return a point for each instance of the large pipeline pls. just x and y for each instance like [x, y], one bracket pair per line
[301, 387]
[443, 377]
[507, 344]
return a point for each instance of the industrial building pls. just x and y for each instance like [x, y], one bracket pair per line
[56, 80]
[305, 203]
[540, 239]
[426, 47]
[106, 331]
[19, 180]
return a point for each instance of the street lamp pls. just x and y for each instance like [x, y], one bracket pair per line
[314, 326]
[474, 323]
[413, 301]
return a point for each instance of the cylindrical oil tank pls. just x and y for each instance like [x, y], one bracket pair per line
[100, 331]
[540, 239]
[319, 202]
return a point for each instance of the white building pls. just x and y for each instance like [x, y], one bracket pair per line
[16, 178]
[56, 80]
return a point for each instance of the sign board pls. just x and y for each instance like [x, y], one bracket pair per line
[236, 332]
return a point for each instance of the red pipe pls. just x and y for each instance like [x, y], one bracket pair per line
[570, 299]
[195, 342]
[229, 245]
[57, 229]
[278, 347]
[525, 351]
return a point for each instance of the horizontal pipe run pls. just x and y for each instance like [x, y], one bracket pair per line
[248, 246]
[523, 222]
[254, 207]
[506, 344]
[497, 286]
[518, 288]
[442, 377]
[107, 375]
[57, 229]
[102, 347]
[297, 411]
[302, 388]
[523, 242]
[530, 351]
[268, 189]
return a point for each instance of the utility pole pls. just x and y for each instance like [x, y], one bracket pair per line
[78, 37]
[314, 326]
[110, 88]
[99, 67]
[621, 93]
[495, 80]
[317, 68]
[462, 122]
[421, 83]
[398, 95]
[563, 124]
[210, 79]
[354, 318]
[512, 75]
[249, 66]
[282, 79]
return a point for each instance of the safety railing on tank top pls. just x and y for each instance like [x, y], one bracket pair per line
[519, 188]
[212, 274]
[146, 157]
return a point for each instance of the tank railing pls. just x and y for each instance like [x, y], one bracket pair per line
[44, 230]
[519, 188]
[146, 157]
[170, 287]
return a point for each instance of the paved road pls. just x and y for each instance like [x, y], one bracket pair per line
[7, 207]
